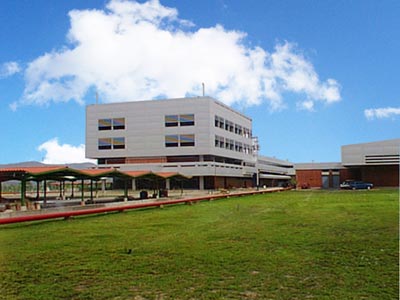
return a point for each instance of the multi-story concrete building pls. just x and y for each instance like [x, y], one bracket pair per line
[199, 137]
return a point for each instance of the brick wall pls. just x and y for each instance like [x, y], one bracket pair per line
[312, 178]
[381, 175]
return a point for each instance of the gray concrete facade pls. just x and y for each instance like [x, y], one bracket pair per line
[374, 153]
[145, 129]
[154, 133]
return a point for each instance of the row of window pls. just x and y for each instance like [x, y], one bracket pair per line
[111, 143]
[179, 120]
[174, 140]
[111, 124]
[230, 144]
[232, 127]
[179, 140]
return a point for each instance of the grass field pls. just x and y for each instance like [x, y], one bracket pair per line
[289, 245]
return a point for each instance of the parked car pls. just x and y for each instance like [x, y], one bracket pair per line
[346, 184]
[356, 185]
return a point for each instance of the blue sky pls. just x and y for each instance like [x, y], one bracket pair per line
[313, 75]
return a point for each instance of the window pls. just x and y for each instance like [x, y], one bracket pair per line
[105, 124]
[186, 140]
[171, 121]
[179, 120]
[219, 141]
[238, 129]
[219, 122]
[238, 146]
[104, 144]
[183, 140]
[246, 148]
[229, 144]
[246, 132]
[231, 128]
[172, 140]
[108, 124]
[118, 143]
[186, 120]
[111, 143]
[118, 123]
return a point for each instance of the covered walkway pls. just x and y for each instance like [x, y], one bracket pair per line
[62, 174]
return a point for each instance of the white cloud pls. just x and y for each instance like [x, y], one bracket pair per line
[306, 105]
[133, 51]
[14, 106]
[62, 154]
[9, 68]
[381, 113]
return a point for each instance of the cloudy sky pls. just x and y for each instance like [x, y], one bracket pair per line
[313, 75]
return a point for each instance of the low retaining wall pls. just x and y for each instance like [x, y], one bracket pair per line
[71, 212]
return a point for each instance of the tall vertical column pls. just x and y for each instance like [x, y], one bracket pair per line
[125, 189]
[133, 184]
[103, 186]
[167, 184]
[72, 189]
[201, 183]
[45, 193]
[60, 189]
[82, 192]
[37, 190]
[23, 189]
[91, 190]
[97, 189]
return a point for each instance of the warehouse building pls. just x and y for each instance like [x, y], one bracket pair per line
[375, 162]
[319, 175]
[199, 137]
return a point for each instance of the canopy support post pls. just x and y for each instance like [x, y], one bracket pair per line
[37, 190]
[60, 195]
[133, 184]
[125, 189]
[72, 189]
[82, 192]
[23, 189]
[91, 190]
[45, 193]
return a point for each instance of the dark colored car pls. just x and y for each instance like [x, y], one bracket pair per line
[346, 184]
[358, 185]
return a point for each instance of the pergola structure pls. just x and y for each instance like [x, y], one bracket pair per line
[63, 174]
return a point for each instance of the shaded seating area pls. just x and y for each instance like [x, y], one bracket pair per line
[79, 181]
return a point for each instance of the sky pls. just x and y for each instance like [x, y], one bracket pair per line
[312, 75]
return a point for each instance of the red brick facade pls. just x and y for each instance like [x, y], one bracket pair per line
[385, 176]
[309, 178]
[381, 175]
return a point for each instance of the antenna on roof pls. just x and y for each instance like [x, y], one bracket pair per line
[204, 89]
[97, 97]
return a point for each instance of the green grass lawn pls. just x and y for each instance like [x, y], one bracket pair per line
[288, 245]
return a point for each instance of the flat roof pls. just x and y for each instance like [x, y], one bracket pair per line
[319, 166]
[207, 98]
